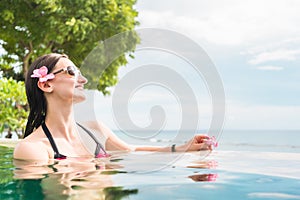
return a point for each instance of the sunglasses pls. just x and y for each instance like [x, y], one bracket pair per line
[71, 70]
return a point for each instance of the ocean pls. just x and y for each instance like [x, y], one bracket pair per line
[229, 140]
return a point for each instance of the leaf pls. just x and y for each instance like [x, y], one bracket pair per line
[13, 114]
[72, 27]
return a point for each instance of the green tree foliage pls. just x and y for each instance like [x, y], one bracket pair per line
[13, 106]
[30, 28]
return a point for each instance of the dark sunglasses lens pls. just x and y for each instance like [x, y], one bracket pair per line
[71, 70]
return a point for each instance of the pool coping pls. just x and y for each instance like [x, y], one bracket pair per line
[9, 142]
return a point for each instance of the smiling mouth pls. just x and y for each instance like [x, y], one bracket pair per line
[79, 87]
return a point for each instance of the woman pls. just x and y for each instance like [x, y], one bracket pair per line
[53, 84]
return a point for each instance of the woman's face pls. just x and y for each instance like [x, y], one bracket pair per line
[68, 86]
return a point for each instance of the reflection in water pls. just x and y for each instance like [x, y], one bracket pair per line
[71, 179]
[203, 177]
[15, 189]
[118, 192]
[6, 175]
[79, 180]
[89, 178]
[22, 189]
[37, 189]
[204, 164]
[207, 164]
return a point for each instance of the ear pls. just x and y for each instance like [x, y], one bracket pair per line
[45, 86]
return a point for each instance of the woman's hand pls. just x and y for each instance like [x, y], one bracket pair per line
[198, 143]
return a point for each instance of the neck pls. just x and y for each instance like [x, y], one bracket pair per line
[60, 119]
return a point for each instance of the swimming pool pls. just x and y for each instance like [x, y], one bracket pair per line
[221, 175]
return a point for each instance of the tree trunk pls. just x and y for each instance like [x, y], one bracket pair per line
[26, 60]
[9, 135]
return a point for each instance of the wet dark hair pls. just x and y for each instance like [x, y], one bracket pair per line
[35, 96]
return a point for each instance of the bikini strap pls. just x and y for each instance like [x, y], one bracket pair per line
[57, 155]
[100, 151]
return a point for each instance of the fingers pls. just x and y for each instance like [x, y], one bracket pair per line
[200, 138]
[200, 147]
[200, 142]
[206, 139]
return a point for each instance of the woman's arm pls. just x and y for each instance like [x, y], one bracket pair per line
[113, 142]
[198, 142]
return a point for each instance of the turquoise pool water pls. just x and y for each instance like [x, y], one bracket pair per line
[221, 175]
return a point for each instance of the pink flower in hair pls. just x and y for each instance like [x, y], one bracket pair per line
[41, 73]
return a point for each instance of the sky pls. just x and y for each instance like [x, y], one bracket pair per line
[255, 46]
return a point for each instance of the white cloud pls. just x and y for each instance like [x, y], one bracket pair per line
[241, 116]
[287, 43]
[275, 55]
[285, 50]
[226, 22]
[270, 68]
[213, 30]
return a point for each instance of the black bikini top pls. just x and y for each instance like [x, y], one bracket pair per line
[99, 152]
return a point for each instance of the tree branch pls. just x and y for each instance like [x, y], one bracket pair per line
[26, 59]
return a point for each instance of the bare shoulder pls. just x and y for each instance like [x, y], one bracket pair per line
[28, 149]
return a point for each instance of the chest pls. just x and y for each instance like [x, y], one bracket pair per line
[67, 148]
